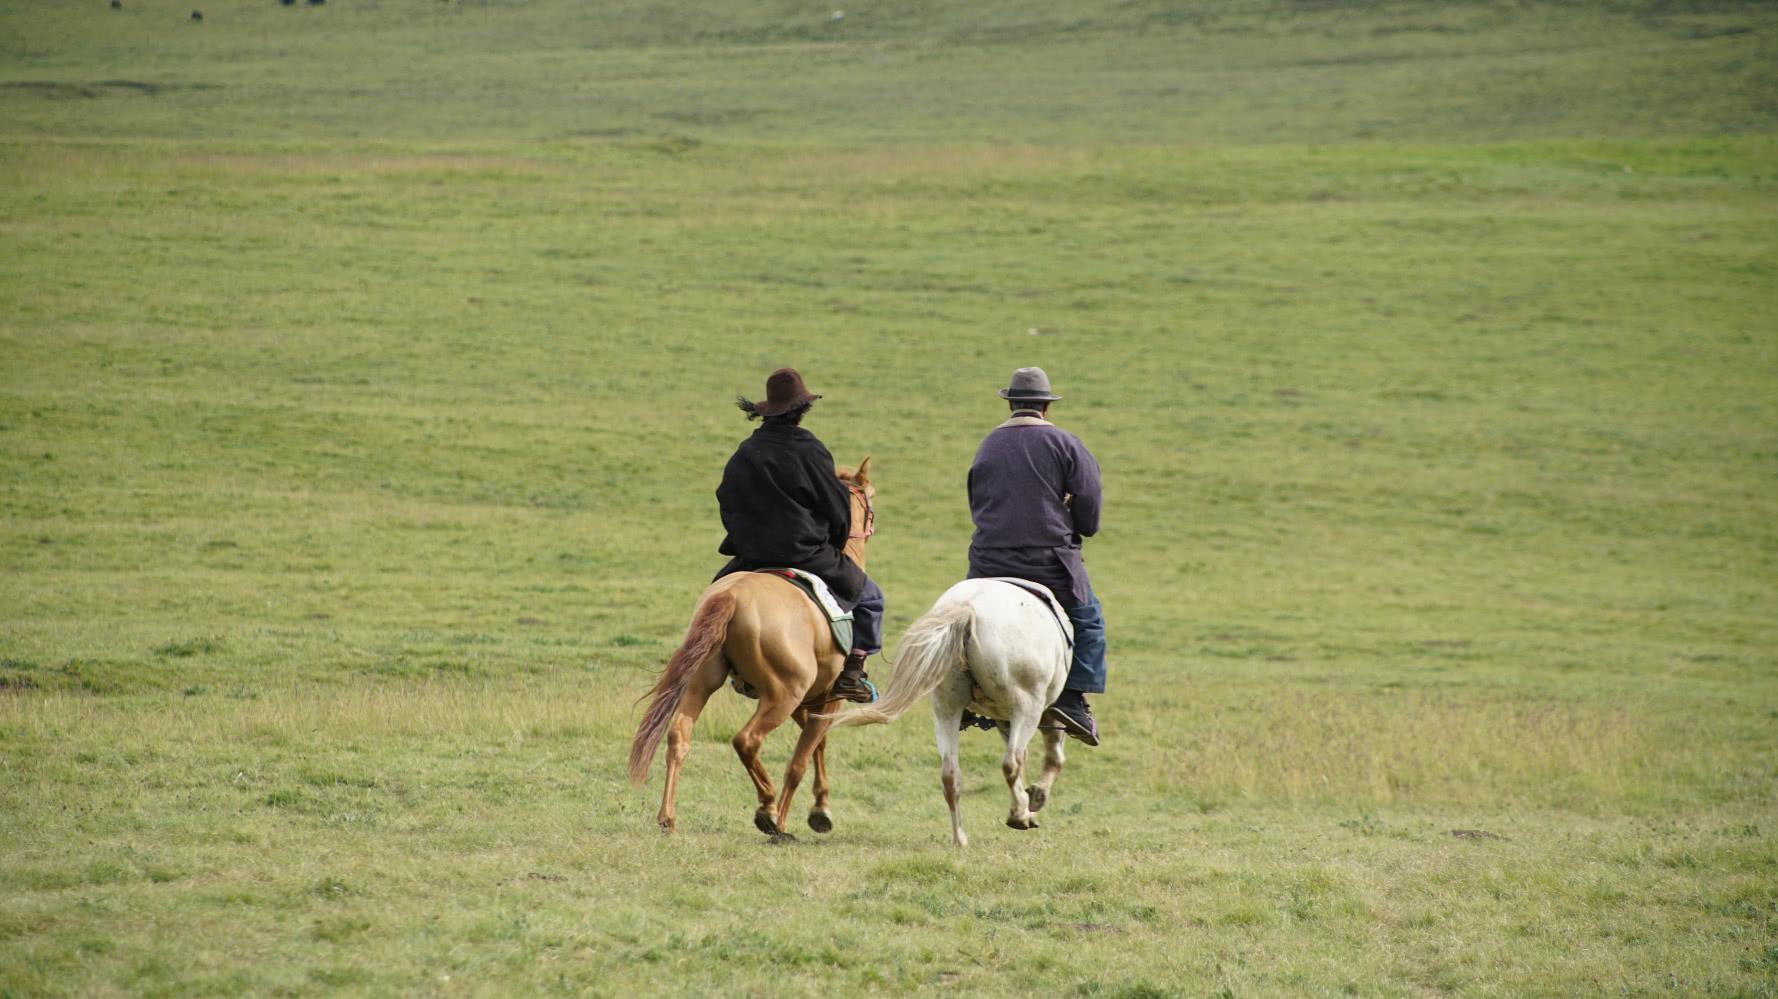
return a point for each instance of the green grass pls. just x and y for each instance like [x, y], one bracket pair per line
[894, 72]
[365, 376]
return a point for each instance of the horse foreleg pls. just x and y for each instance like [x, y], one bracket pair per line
[1039, 793]
[1012, 767]
[773, 709]
[691, 704]
[814, 734]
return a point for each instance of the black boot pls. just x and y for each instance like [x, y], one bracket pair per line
[1072, 712]
[852, 684]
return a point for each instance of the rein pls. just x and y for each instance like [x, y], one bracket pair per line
[870, 514]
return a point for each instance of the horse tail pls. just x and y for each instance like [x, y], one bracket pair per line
[703, 640]
[932, 649]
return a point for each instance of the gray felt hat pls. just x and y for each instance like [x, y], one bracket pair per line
[1029, 385]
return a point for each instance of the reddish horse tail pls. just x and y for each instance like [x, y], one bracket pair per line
[709, 627]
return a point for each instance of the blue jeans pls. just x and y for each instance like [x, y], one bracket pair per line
[1087, 673]
[867, 620]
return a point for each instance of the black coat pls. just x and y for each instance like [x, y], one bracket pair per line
[782, 505]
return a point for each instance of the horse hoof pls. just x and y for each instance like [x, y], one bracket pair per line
[763, 822]
[1021, 823]
[781, 839]
[821, 822]
[1038, 796]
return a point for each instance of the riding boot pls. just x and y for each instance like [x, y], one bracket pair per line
[852, 684]
[1072, 712]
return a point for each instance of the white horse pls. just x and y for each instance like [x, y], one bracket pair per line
[1002, 651]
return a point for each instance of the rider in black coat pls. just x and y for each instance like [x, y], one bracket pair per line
[783, 507]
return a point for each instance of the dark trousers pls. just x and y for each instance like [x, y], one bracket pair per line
[1087, 672]
[867, 620]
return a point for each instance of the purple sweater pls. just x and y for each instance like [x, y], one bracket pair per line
[1033, 494]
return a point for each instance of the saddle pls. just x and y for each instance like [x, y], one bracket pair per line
[838, 619]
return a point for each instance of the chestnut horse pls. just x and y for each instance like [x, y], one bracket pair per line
[767, 631]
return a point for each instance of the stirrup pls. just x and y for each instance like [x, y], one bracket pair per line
[972, 720]
[869, 687]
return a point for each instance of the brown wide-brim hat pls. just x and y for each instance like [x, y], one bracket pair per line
[784, 392]
[1029, 385]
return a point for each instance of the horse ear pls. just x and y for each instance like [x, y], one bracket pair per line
[863, 473]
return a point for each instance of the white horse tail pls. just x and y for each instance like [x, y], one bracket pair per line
[931, 650]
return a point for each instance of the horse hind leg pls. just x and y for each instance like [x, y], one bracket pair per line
[948, 702]
[691, 704]
[950, 777]
[773, 709]
[1012, 767]
[1039, 793]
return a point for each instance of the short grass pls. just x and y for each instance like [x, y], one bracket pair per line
[365, 372]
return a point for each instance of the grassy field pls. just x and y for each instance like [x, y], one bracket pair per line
[366, 372]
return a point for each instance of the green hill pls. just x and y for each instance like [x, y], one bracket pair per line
[892, 72]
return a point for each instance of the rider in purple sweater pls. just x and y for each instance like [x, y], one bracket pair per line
[1034, 494]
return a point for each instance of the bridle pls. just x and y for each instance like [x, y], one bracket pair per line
[870, 514]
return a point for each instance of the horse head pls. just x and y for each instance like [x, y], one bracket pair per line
[864, 512]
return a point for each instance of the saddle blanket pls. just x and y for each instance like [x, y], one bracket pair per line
[817, 590]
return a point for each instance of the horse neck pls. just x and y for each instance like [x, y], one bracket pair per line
[854, 549]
